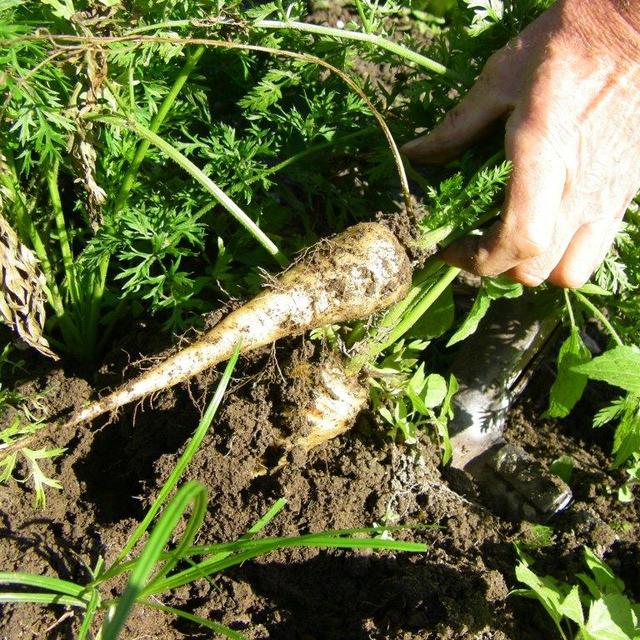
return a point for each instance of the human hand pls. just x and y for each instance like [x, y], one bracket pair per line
[569, 86]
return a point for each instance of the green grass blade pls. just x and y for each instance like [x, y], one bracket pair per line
[42, 582]
[193, 526]
[208, 624]
[89, 615]
[41, 598]
[191, 492]
[252, 549]
[277, 507]
[183, 462]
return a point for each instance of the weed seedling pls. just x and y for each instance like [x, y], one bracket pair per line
[595, 609]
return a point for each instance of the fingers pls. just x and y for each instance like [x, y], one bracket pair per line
[461, 127]
[587, 249]
[530, 218]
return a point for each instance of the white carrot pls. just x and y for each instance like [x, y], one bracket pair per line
[351, 276]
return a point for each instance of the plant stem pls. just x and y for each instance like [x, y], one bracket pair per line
[61, 228]
[127, 182]
[572, 318]
[100, 279]
[203, 179]
[363, 16]
[598, 314]
[309, 151]
[427, 288]
[378, 41]
[400, 50]
[431, 294]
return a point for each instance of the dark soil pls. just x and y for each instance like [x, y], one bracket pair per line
[458, 589]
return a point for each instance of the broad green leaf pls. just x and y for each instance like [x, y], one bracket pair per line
[611, 618]
[569, 385]
[435, 390]
[446, 410]
[562, 467]
[471, 322]
[619, 367]
[62, 9]
[502, 287]
[606, 580]
[546, 590]
[571, 607]
[626, 440]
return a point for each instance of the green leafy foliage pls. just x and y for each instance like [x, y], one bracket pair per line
[458, 203]
[596, 609]
[491, 289]
[18, 428]
[619, 367]
[407, 397]
[569, 384]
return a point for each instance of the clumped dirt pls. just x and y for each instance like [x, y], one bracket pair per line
[457, 589]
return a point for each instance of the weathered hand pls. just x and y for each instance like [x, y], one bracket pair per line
[570, 87]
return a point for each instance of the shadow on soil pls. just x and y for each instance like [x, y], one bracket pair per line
[122, 457]
[338, 596]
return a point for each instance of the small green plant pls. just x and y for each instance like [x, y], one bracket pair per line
[618, 366]
[595, 609]
[17, 435]
[13, 446]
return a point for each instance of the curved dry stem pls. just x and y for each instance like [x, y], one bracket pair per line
[82, 42]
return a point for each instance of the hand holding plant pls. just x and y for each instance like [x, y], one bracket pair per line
[568, 86]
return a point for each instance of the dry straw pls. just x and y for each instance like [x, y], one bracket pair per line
[22, 286]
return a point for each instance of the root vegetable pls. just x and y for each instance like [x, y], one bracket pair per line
[326, 405]
[350, 276]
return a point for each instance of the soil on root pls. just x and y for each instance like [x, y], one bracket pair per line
[457, 589]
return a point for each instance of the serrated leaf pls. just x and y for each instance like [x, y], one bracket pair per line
[571, 607]
[606, 580]
[626, 440]
[619, 367]
[569, 385]
[611, 618]
[62, 9]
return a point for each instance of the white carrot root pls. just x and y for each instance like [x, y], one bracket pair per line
[335, 401]
[351, 276]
